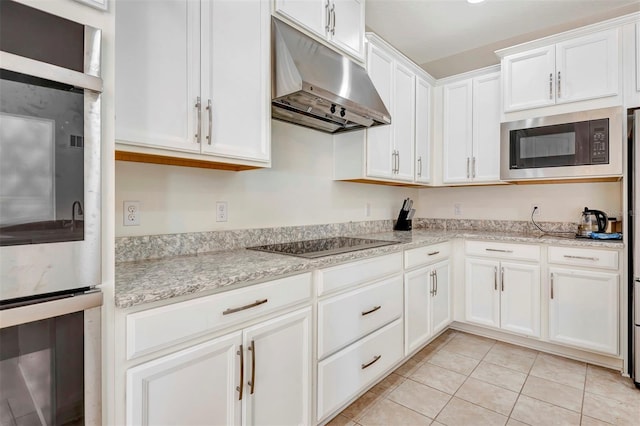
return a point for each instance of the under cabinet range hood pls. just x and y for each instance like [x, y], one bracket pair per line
[313, 86]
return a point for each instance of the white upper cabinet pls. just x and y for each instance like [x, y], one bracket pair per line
[423, 129]
[235, 66]
[471, 132]
[157, 73]
[638, 57]
[404, 121]
[193, 77]
[340, 22]
[399, 152]
[574, 70]
[380, 151]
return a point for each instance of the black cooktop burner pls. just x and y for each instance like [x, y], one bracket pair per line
[322, 247]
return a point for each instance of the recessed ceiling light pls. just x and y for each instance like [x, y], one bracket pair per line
[474, 1]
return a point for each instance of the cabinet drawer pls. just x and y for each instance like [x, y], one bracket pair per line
[158, 328]
[426, 255]
[594, 258]
[343, 375]
[354, 273]
[503, 250]
[347, 317]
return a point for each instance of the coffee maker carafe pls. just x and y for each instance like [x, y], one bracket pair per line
[592, 221]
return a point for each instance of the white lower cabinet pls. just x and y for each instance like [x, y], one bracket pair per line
[583, 309]
[427, 303]
[504, 295]
[344, 374]
[259, 375]
[194, 386]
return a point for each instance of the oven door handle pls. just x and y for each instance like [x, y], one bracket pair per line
[54, 308]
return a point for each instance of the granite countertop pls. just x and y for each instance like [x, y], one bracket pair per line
[146, 281]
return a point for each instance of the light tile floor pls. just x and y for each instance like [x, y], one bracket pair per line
[462, 379]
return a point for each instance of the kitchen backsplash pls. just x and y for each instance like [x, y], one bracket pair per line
[158, 246]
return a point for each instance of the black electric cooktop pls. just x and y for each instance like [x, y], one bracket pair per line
[311, 249]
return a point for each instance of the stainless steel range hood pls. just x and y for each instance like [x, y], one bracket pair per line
[313, 86]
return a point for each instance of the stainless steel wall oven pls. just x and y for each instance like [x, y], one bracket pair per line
[50, 258]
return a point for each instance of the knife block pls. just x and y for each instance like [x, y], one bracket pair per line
[402, 224]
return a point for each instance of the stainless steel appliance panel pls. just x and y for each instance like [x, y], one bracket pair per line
[614, 167]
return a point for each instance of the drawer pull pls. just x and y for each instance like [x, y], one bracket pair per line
[499, 250]
[242, 308]
[373, 361]
[433, 253]
[595, 259]
[252, 383]
[372, 310]
[239, 388]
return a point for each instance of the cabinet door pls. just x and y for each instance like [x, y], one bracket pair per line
[379, 139]
[587, 67]
[418, 287]
[195, 386]
[485, 165]
[310, 14]
[528, 79]
[404, 122]
[347, 31]
[278, 373]
[423, 137]
[441, 297]
[457, 132]
[520, 298]
[236, 83]
[157, 73]
[583, 309]
[482, 297]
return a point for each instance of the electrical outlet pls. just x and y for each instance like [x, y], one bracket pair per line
[131, 213]
[367, 210]
[457, 209]
[221, 211]
[535, 209]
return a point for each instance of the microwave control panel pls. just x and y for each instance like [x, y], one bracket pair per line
[599, 141]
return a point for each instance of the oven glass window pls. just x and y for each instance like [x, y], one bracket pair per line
[41, 161]
[42, 372]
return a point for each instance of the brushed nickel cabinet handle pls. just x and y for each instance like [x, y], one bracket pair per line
[502, 278]
[550, 85]
[397, 162]
[552, 285]
[252, 383]
[473, 167]
[239, 388]
[559, 86]
[199, 109]
[468, 160]
[370, 363]
[333, 15]
[595, 259]
[242, 308]
[495, 277]
[435, 280]
[499, 250]
[419, 166]
[327, 26]
[433, 253]
[210, 110]
[431, 283]
[372, 310]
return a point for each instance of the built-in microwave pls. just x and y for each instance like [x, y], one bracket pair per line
[586, 144]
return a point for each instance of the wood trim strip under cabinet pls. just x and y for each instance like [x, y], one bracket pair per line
[183, 162]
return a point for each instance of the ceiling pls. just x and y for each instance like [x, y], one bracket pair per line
[447, 37]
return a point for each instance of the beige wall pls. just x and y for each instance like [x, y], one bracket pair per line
[297, 190]
[557, 202]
